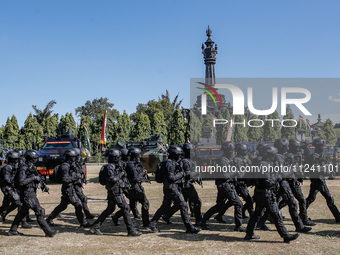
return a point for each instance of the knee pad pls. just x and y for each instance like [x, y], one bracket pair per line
[146, 204]
[84, 199]
[330, 199]
[18, 203]
[40, 212]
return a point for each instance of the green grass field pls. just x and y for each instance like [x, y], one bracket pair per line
[220, 239]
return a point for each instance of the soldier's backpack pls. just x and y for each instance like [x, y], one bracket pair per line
[103, 175]
[57, 175]
[159, 174]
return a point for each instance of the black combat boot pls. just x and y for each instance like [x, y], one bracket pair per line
[303, 230]
[134, 233]
[251, 237]
[52, 233]
[220, 219]
[240, 229]
[95, 230]
[291, 238]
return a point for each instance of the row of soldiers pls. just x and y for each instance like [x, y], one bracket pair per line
[124, 175]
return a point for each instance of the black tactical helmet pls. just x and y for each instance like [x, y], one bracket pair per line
[20, 151]
[175, 152]
[294, 143]
[187, 147]
[318, 142]
[124, 152]
[227, 146]
[269, 151]
[77, 150]
[31, 154]
[189, 150]
[134, 152]
[241, 148]
[69, 153]
[12, 156]
[260, 146]
[281, 143]
[114, 153]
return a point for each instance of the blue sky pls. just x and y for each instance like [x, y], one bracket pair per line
[132, 51]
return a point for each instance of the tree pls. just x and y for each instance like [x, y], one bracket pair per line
[288, 132]
[329, 131]
[96, 107]
[195, 126]
[271, 128]
[141, 129]
[32, 132]
[158, 125]
[174, 103]
[41, 115]
[208, 123]
[176, 133]
[240, 130]
[50, 125]
[67, 123]
[254, 133]
[222, 129]
[11, 132]
[123, 127]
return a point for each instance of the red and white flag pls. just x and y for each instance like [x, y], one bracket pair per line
[300, 118]
[230, 130]
[103, 136]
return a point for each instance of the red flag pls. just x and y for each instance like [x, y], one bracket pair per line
[103, 136]
[230, 130]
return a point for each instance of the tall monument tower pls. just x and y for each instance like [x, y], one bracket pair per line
[209, 54]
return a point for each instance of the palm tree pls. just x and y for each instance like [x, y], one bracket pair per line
[41, 115]
[174, 103]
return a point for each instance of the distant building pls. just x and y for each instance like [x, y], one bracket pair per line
[318, 124]
[209, 51]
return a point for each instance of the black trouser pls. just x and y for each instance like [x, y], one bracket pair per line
[173, 195]
[10, 202]
[69, 196]
[266, 200]
[79, 191]
[298, 194]
[190, 195]
[226, 191]
[288, 198]
[320, 185]
[114, 199]
[137, 194]
[30, 201]
[242, 191]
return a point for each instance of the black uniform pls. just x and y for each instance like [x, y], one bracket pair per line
[11, 194]
[70, 177]
[295, 181]
[115, 197]
[318, 183]
[266, 198]
[172, 174]
[226, 190]
[188, 190]
[78, 187]
[136, 175]
[28, 181]
[286, 193]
